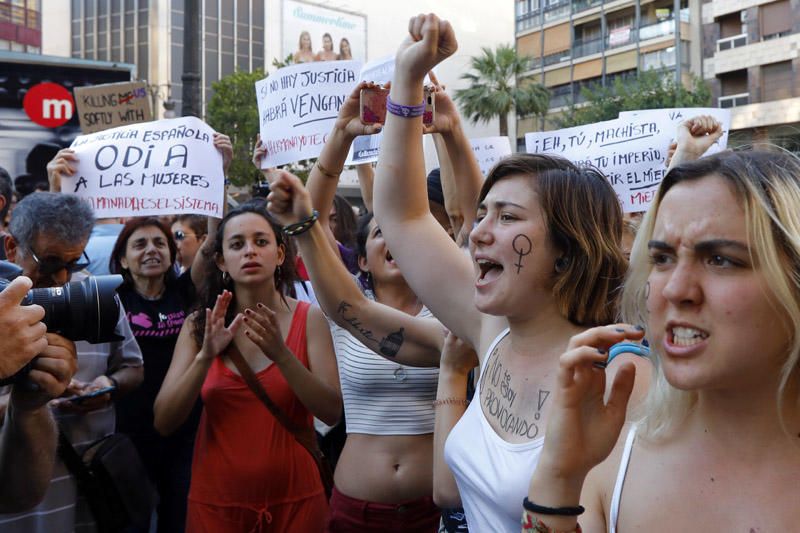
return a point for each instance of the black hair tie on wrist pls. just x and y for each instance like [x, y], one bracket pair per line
[302, 226]
[559, 511]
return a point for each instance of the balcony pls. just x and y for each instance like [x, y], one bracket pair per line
[583, 5]
[556, 11]
[729, 43]
[529, 20]
[586, 48]
[734, 100]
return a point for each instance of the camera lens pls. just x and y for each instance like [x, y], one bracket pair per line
[81, 310]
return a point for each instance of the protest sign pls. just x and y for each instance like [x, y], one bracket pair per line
[297, 106]
[489, 150]
[365, 148]
[677, 115]
[102, 107]
[631, 152]
[157, 168]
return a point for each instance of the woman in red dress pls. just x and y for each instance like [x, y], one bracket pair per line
[249, 473]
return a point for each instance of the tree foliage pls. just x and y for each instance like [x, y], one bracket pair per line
[493, 91]
[649, 89]
[232, 110]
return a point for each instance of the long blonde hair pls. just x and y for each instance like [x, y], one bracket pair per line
[767, 185]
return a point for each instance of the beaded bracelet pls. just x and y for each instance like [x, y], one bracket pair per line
[405, 111]
[531, 524]
[302, 226]
[450, 401]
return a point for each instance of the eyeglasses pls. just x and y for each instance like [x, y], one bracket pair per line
[181, 235]
[50, 265]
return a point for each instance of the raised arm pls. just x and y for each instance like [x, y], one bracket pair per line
[324, 176]
[366, 182]
[199, 270]
[189, 366]
[463, 183]
[431, 262]
[420, 339]
[694, 137]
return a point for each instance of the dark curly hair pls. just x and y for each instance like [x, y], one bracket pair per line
[285, 275]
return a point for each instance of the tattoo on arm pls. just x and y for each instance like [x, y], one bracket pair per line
[387, 346]
[391, 343]
[522, 246]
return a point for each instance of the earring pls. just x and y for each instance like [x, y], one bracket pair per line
[561, 264]
[278, 272]
[226, 278]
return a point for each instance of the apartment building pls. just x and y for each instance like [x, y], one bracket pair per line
[580, 43]
[751, 62]
[21, 26]
[149, 34]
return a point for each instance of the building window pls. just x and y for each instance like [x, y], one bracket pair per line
[776, 19]
[776, 81]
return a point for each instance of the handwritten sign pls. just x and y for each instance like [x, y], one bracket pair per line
[297, 106]
[677, 115]
[157, 168]
[631, 150]
[101, 107]
[366, 147]
[489, 150]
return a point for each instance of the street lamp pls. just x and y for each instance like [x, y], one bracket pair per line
[162, 91]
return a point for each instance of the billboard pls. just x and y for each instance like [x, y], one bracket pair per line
[316, 33]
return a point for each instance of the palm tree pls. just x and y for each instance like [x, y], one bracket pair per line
[493, 91]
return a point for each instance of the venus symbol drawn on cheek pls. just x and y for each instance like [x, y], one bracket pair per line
[522, 246]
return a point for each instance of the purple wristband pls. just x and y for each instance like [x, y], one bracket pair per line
[405, 111]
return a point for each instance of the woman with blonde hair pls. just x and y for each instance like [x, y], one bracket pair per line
[715, 275]
[305, 52]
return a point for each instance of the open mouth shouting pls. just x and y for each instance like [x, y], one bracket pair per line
[489, 270]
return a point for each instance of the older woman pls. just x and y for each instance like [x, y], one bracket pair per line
[714, 275]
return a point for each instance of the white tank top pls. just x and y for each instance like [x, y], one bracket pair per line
[492, 475]
[613, 514]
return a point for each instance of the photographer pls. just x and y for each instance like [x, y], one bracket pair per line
[28, 436]
[48, 234]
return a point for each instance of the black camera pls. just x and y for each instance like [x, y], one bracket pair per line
[86, 310]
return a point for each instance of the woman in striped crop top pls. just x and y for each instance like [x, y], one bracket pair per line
[387, 348]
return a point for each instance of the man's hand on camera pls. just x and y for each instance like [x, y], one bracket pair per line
[51, 373]
[22, 334]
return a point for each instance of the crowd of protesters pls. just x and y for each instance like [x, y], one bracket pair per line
[576, 369]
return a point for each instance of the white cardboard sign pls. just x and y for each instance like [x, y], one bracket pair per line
[631, 150]
[154, 168]
[297, 106]
[489, 150]
[678, 115]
